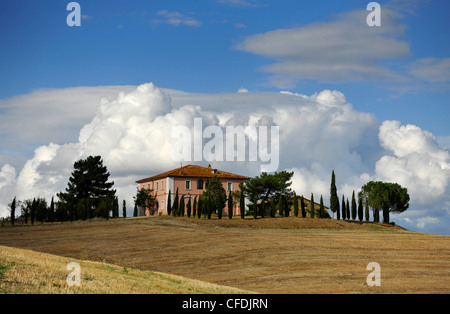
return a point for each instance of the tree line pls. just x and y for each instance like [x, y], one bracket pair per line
[375, 196]
[88, 195]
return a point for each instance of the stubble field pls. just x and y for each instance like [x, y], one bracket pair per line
[276, 256]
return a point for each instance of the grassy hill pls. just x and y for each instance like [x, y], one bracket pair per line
[25, 271]
[270, 255]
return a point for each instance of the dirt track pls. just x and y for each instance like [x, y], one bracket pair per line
[285, 255]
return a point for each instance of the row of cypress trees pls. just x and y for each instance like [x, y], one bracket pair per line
[348, 211]
[202, 205]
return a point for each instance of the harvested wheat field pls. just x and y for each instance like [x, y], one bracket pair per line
[25, 271]
[276, 255]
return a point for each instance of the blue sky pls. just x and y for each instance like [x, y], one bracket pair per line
[131, 42]
[321, 54]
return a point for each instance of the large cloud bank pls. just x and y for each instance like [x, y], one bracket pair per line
[318, 133]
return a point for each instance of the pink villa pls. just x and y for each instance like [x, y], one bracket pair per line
[191, 181]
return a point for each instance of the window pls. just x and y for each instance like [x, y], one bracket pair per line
[200, 185]
[162, 204]
[230, 186]
[148, 186]
[188, 185]
[157, 186]
[162, 185]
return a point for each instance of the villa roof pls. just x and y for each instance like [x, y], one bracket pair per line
[194, 171]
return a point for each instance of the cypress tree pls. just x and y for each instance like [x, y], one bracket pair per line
[280, 206]
[219, 210]
[13, 211]
[322, 208]
[303, 207]
[367, 213]
[208, 209]
[194, 207]
[189, 208]
[376, 215]
[344, 210]
[181, 207]
[199, 207]
[135, 211]
[354, 209]
[334, 201]
[230, 205]
[263, 207]
[124, 209]
[295, 205]
[242, 204]
[360, 210]
[312, 205]
[347, 206]
[169, 203]
[338, 211]
[175, 205]
[273, 207]
[51, 212]
[33, 211]
[286, 206]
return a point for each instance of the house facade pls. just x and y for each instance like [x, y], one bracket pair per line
[191, 181]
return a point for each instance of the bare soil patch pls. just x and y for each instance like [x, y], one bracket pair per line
[280, 255]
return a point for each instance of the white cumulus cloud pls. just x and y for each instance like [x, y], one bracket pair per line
[318, 133]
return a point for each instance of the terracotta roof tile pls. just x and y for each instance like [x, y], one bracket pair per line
[194, 171]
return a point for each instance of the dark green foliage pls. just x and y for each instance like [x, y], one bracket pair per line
[41, 210]
[388, 197]
[230, 205]
[347, 207]
[217, 195]
[334, 201]
[124, 209]
[87, 187]
[242, 201]
[312, 206]
[376, 215]
[169, 203]
[25, 208]
[321, 208]
[194, 207]
[175, 204]
[51, 211]
[354, 208]
[344, 210]
[268, 186]
[338, 210]
[12, 207]
[144, 199]
[273, 207]
[303, 207]
[360, 210]
[182, 206]
[200, 207]
[295, 205]
[287, 210]
[280, 206]
[135, 211]
[366, 210]
[188, 208]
